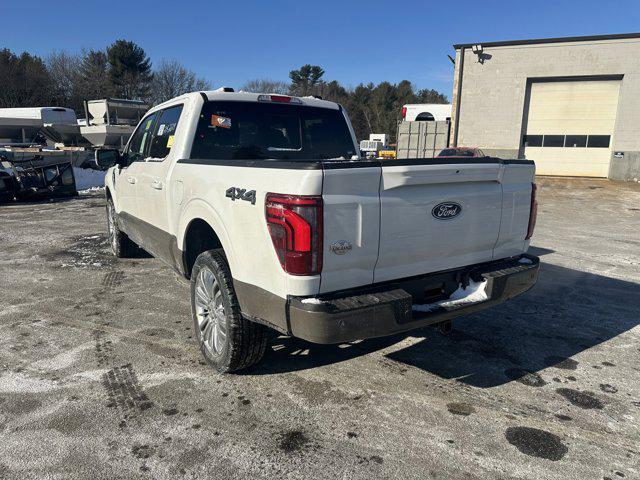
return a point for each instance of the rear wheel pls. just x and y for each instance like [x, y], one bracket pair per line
[228, 341]
[121, 245]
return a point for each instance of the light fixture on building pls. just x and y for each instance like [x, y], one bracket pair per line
[477, 49]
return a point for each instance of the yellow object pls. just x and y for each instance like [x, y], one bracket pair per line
[389, 154]
[170, 141]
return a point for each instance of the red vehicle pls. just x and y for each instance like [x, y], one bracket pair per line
[461, 152]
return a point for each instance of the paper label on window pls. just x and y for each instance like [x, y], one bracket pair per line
[218, 121]
[161, 130]
[170, 141]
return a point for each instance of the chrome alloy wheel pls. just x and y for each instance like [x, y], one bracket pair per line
[111, 221]
[210, 314]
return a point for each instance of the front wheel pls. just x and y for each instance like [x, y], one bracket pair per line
[227, 340]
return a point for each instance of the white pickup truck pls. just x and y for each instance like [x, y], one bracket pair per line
[265, 204]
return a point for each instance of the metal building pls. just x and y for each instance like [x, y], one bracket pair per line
[571, 104]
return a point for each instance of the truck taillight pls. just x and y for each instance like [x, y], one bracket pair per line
[295, 226]
[279, 99]
[404, 112]
[533, 212]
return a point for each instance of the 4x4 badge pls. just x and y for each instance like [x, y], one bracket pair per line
[241, 194]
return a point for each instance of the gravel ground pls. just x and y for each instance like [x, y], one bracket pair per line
[100, 376]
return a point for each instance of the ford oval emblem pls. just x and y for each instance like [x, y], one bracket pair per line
[446, 210]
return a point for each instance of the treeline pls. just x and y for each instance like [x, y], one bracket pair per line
[372, 108]
[123, 70]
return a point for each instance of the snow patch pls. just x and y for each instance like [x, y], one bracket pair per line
[474, 293]
[313, 301]
[20, 383]
[64, 359]
[88, 179]
[87, 191]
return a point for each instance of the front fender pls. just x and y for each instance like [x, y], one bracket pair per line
[110, 187]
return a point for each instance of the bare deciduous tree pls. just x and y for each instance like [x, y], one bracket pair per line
[63, 68]
[265, 85]
[172, 79]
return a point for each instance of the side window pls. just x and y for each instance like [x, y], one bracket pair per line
[164, 131]
[139, 142]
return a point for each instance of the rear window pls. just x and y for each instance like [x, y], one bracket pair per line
[253, 130]
[454, 152]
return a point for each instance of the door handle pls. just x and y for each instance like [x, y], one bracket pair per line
[156, 184]
[131, 180]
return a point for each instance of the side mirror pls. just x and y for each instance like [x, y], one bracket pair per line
[106, 158]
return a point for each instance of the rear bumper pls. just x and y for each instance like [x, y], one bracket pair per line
[381, 311]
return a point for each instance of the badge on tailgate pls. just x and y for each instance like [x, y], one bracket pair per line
[341, 247]
[446, 210]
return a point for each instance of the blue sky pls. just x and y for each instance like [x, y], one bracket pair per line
[354, 41]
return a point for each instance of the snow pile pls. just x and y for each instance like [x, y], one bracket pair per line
[313, 301]
[474, 293]
[87, 191]
[87, 178]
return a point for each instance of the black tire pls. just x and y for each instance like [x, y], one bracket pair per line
[121, 245]
[245, 341]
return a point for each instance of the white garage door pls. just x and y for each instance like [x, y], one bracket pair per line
[570, 127]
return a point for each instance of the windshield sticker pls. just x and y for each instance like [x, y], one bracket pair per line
[148, 126]
[218, 121]
[170, 141]
[161, 130]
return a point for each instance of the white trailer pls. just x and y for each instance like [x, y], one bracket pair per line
[424, 112]
[35, 124]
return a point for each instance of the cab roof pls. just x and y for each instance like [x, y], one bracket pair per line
[213, 95]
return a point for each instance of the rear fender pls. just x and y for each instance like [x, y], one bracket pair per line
[198, 209]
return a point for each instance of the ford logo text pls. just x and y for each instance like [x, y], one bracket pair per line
[446, 210]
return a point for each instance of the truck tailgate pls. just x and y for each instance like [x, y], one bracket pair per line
[436, 217]
[352, 219]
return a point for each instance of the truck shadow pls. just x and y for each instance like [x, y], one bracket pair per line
[567, 312]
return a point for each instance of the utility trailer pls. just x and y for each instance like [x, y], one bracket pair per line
[47, 152]
[31, 171]
[110, 122]
[422, 139]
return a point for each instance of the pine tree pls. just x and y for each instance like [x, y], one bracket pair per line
[129, 70]
[25, 81]
[94, 81]
[305, 80]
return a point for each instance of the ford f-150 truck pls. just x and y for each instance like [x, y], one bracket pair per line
[264, 203]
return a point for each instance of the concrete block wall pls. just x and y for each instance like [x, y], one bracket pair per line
[625, 168]
[493, 93]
